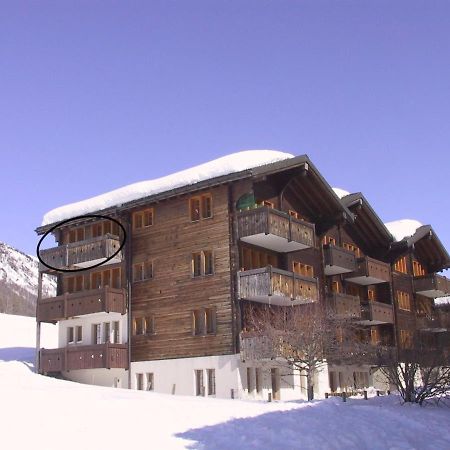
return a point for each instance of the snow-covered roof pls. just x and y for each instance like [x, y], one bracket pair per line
[235, 162]
[340, 192]
[403, 228]
[442, 301]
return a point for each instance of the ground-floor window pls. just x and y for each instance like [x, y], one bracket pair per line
[140, 381]
[250, 384]
[211, 381]
[150, 381]
[199, 384]
[258, 379]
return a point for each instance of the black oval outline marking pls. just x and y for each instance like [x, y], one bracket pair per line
[98, 216]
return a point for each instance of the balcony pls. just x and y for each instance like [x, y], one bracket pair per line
[432, 324]
[100, 356]
[255, 347]
[370, 271]
[277, 287]
[82, 254]
[345, 306]
[81, 303]
[338, 260]
[432, 286]
[376, 313]
[275, 230]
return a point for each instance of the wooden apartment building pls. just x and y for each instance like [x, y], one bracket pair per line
[167, 312]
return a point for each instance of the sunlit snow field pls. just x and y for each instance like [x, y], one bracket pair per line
[44, 413]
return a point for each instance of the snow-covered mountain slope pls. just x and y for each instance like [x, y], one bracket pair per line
[42, 413]
[19, 282]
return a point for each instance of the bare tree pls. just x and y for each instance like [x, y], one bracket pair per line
[303, 337]
[420, 372]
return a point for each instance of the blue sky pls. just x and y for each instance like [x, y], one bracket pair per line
[98, 94]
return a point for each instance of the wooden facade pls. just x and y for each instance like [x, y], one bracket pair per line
[195, 257]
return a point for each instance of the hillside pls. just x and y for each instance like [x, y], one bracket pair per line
[19, 282]
[49, 414]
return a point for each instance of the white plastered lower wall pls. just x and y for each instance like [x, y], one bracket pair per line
[100, 377]
[177, 376]
[87, 322]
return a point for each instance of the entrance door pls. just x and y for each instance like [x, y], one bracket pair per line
[275, 377]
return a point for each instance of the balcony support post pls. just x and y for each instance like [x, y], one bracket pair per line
[38, 324]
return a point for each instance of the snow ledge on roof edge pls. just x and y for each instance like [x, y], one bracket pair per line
[401, 229]
[235, 162]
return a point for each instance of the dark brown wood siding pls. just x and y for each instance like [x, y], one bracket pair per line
[173, 293]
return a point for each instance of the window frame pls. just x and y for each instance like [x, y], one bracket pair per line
[203, 200]
[200, 258]
[141, 216]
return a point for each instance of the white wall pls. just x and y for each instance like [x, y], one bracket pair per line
[100, 377]
[176, 376]
[87, 322]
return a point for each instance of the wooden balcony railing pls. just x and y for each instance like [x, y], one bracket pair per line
[100, 356]
[277, 287]
[370, 271]
[80, 303]
[82, 254]
[255, 347]
[338, 260]
[345, 306]
[274, 230]
[432, 323]
[432, 285]
[376, 313]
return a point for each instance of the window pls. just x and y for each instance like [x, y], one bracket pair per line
[143, 271]
[97, 333]
[144, 325]
[79, 333]
[143, 219]
[199, 386]
[200, 207]
[418, 269]
[267, 203]
[403, 300]
[406, 338]
[140, 381]
[328, 240]
[208, 262]
[110, 277]
[371, 295]
[107, 332]
[149, 325]
[335, 287]
[375, 336]
[353, 248]
[303, 269]
[211, 375]
[400, 265]
[198, 322]
[96, 280]
[210, 318]
[204, 321]
[352, 289]
[202, 263]
[75, 235]
[116, 279]
[258, 379]
[150, 383]
[250, 385]
[115, 333]
[295, 214]
[70, 335]
[254, 259]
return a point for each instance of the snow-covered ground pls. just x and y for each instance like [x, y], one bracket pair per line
[44, 413]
